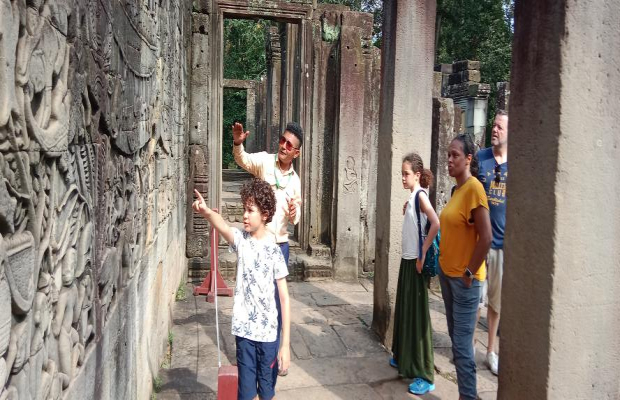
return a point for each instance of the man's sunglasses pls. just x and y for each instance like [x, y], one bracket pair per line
[287, 144]
[498, 173]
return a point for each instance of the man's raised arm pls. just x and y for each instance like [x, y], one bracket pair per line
[249, 162]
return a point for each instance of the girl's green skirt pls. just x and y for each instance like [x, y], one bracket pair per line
[412, 345]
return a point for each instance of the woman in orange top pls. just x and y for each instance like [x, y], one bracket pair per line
[465, 240]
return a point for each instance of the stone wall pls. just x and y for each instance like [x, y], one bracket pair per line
[92, 149]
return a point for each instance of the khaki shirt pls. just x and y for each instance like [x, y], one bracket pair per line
[285, 186]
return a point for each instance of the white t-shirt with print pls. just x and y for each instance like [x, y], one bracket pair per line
[259, 263]
[410, 241]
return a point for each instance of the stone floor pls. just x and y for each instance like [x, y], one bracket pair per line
[334, 353]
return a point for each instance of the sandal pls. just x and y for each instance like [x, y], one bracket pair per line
[393, 363]
[420, 386]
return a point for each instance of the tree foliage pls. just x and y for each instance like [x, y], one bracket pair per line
[477, 30]
[244, 59]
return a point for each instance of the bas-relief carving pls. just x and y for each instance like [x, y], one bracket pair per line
[91, 131]
[350, 176]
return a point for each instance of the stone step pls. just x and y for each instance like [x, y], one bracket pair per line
[319, 251]
[316, 268]
[302, 266]
[235, 175]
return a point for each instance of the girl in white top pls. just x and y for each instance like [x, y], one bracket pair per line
[412, 345]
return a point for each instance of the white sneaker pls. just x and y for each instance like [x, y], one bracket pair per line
[493, 362]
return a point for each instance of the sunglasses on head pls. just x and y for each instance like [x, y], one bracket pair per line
[498, 173]
[287, 144]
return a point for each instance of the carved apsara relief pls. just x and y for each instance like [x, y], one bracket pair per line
[92, 98]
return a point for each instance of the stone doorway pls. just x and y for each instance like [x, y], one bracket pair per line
[260, 75]
[323, 73]
[278, 98]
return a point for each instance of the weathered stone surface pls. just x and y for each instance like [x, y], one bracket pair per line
[358, 392]
[574, 333]
[200, 111]
[322, 341]
[503, 96]
[92, 181]
[359, 340]
[437, 80]
[405, 121]
[348, 231]
[442, 134]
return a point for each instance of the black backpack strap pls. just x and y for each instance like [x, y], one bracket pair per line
[417, 213]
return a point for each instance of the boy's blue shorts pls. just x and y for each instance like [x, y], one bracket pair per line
[258, 368]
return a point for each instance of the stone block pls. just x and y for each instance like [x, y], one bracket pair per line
[197, 246]
[203, 7]
[359, 341]
[437, 80]
[442, 133]
[465, 65]
[322, 341]
[470, 76]
[455, 78]
[327, 299]
[446, 69]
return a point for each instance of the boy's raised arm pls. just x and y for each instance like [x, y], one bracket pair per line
[200, 206]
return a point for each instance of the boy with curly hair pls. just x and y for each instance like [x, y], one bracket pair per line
[255, 316]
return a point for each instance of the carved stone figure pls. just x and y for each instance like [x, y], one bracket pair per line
[350, 176]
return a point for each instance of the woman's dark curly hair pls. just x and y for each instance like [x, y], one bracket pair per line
[259, 193]
[469, 148]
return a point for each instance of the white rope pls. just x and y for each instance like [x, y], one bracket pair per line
[214, 246]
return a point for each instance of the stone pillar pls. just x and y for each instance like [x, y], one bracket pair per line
[201, 82]
[346, 231]
[289, 104]
[470, 96]
[274, 80]
[320, 149]
[372, 64]
[443, 132]
[404, 125]
[503, 95]
[250, 118]
[562, 260]
[261, 114]
[199, 113]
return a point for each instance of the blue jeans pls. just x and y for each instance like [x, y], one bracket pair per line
[258, 368]
[461, 305]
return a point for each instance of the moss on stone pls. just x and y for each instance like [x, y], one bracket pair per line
[330, 33]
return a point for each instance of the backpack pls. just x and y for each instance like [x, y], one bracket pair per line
[431, 261]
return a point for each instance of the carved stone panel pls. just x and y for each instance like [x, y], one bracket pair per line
[92, 137]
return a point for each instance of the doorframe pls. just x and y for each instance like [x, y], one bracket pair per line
[280, 11]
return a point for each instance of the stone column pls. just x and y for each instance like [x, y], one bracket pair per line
[250, 118]
[503, 96]
[372, 64]
[443, 132]
[562, 260]
[289, 103]
[346, 232]
[470, 96]
[274, 79]
[404, 125]
[198, 157]
[320, 150]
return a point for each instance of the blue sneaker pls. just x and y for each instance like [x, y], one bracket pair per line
[393, 363]
[420, 386]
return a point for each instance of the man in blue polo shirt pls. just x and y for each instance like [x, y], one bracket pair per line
[493, 173]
